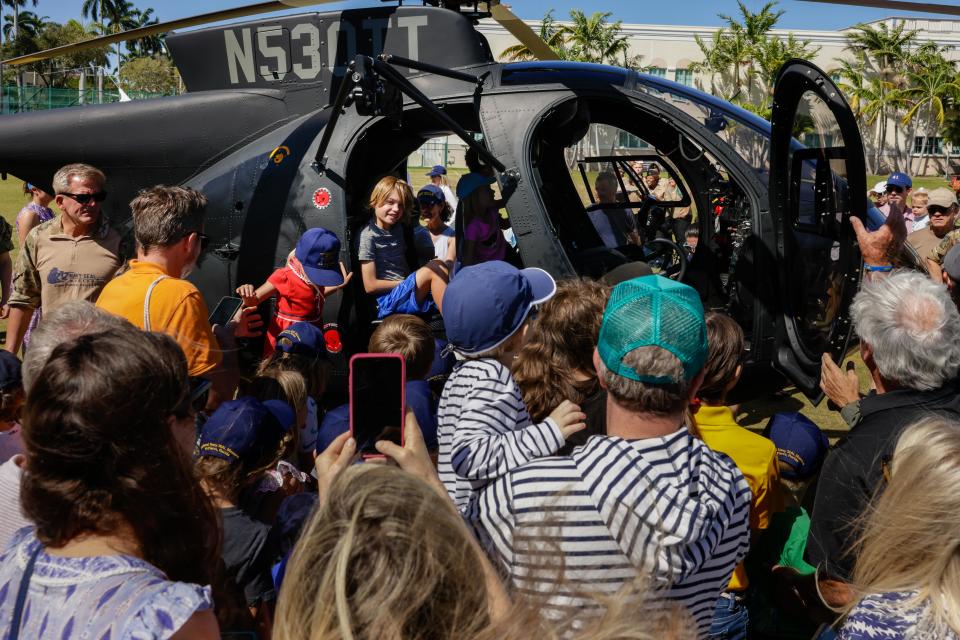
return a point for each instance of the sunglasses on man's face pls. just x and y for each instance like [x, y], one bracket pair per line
[936, 210]
[894, 189]
[85, 198]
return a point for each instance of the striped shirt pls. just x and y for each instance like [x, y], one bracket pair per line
[667, 511]
[484, 429]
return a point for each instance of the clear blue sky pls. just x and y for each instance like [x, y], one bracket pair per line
[799, 15]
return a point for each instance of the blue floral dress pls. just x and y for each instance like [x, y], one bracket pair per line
[96, 597]
[890, 616]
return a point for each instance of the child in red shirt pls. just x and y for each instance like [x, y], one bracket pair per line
[301, 287]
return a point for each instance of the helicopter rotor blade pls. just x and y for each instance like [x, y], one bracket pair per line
[898, 5]
[522, 32]
[162, 27]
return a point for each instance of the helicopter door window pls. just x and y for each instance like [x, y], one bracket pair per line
[819, 203]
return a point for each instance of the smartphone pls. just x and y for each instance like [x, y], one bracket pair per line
[225, 310]
[377, 383]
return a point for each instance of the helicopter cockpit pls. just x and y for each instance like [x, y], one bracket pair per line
[585, 141]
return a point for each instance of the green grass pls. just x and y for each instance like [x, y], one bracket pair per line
[418, 176]
[12, 199]
[755, 413]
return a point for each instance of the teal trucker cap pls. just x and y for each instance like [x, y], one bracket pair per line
[653, 311]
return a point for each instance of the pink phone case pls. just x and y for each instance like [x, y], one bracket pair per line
[403, 393]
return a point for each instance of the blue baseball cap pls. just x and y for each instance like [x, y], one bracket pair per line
[303, 338]
[899, 179]
[438, 170]
[319, 254]
[10, 371]
[471, 182]
[244, 426]
[801, 445]
[335, 422]
[431, 192]
[486, 303]
[653, 311]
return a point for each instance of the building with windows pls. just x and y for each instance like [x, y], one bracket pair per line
[669, 51]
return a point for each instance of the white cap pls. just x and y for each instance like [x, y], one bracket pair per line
[880, 187]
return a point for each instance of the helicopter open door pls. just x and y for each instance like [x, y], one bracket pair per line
[817, 181]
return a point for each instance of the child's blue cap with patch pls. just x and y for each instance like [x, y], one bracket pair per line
[801, 445]
[303, 338]
[243, 427]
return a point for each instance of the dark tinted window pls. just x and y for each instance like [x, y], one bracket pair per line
[562, 73]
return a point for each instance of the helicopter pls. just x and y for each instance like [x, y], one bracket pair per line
[288, 122]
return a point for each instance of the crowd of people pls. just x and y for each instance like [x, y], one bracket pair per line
[570, 464]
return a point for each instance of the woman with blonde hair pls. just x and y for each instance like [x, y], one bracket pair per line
[387, 556]
[907, 573]
[557, 361]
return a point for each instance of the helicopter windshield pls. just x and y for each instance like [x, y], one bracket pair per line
[746, 132]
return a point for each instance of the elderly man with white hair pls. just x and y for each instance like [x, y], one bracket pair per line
[909, 330]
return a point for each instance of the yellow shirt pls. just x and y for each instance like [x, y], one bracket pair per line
[176, 308]
[756, 457]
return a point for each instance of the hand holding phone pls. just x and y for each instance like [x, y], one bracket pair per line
[413, 456]
[377, 406]
[225, 310]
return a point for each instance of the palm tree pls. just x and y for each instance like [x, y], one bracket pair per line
[25, 25]
[746, 59]
[884, 50]
[592, 39]
[113, 16]
[149, 46]
[755, 26]
[98, 10]
[745, 38]
[714, 61]
[865, 95]
[932, 83]
[772, 53]
[549, 33]
[15, 5]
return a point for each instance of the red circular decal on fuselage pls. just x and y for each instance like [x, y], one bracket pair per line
[321, 198]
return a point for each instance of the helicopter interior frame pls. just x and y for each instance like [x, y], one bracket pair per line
[370, 158]
[623, 166]
[695, 174]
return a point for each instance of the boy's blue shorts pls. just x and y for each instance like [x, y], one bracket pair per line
[403, 299]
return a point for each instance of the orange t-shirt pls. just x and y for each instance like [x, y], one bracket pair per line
[176, 308]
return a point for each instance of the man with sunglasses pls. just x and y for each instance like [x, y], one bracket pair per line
[154, 295]
[942, 214]
[68, 258]
[941, 199]
[899, 186]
